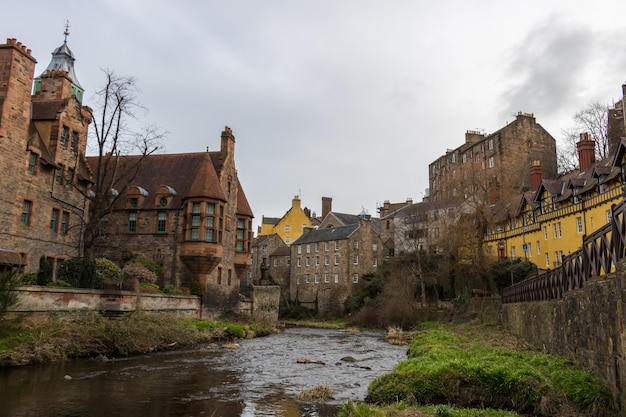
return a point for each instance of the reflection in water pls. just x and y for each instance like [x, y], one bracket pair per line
[261, 378]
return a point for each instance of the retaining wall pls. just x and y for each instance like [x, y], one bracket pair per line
[586, 326]
[35, 299]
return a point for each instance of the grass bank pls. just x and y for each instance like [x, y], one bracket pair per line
[473, 370]
[39, 339]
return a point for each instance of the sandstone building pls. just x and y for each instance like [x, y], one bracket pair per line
[43, 137]
[190, 213]
[290, 226]
[489, 167]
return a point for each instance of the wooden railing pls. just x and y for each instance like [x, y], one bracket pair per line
[598, 255]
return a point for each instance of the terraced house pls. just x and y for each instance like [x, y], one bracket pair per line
[550, 221]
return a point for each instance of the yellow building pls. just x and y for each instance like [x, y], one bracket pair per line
[290, 226]
[550, 222]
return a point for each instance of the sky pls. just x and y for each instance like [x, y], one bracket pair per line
[348, 99]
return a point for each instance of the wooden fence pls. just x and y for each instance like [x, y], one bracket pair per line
[599, 254]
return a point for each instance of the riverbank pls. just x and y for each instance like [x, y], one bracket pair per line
[53, 338]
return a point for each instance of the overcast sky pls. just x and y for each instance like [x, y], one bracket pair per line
[349, 99]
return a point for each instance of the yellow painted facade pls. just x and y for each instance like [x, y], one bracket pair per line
[289, 227]
[549, 225]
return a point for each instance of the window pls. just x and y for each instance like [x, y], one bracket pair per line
[69, 177]
[538, 247]
[104, 225]
[529, 250]
[336, 245]
[453, 158]
[579, 224]
[317, 247]
[336, 259]
[133, 202]
[307, 279]
[545, 232]
[490, 144]
[32, 161]
[275, 262]
[608, 216]
[195, 221]
[355, 244]
[513, 254]
[241, 235]
[307, 261]
[132, 222]
[299, 262]
[298, 279]
[374, 247]
[317, 261]
[58, 175]
[288, 261]
[326, 260]
[375, 262]
[355, 259]
[162, 202]
[161, 220]
[547, 260]
[355, 278]
[286, 228]
[65, 131]
[74, 143]
[219, 276]
[287, 240]
[326, 247]
[491, 162]
[65, 221]
[308, 248]
[557, 259]
[26, 210]
[326, 277]
[316, 278]
[336, 278]
[54, 220]
[299, 249]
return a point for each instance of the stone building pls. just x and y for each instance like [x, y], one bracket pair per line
[190, 213]
[43, 137]
[328, 263]
[290, 226]
[489, 167]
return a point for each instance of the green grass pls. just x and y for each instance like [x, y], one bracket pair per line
[459, 365]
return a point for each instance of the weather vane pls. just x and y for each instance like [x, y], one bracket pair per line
[67, 29]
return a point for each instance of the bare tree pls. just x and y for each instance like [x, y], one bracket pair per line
[115, 134]
[594, 120]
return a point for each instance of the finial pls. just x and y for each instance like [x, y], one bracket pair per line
[67, 29]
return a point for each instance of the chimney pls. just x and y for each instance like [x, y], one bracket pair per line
[295, 202]
[586, 151]
[536, 174]
[327, 206]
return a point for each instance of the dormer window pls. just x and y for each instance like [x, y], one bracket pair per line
[164, 196]
[136, 196]
[133, 202]
[162, 202]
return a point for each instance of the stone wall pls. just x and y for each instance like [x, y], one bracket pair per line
[265, 303]
[586, 326]
[34, 299]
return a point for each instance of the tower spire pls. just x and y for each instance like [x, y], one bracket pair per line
[66, 33]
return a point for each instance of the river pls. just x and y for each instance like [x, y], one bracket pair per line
[261, 377]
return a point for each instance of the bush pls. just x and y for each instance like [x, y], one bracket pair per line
[170, 289]
[108, 270]
[29, 279]
[79, 273]
[8, 297]
[148, 263]
[44, 275]
[139, 272]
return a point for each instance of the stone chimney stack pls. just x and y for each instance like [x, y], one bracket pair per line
[536, 174]
[327, 206]
[586, 151]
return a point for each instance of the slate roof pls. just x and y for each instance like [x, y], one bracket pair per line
[327, 234]
[189, 174]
